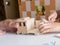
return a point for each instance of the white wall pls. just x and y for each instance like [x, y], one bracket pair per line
[57, 3]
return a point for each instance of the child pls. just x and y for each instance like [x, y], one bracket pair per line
[8, 25]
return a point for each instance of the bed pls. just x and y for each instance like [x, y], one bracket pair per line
[14, 39]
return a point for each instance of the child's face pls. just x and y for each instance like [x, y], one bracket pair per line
[14, 24]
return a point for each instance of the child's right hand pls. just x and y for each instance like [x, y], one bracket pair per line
[47, 27]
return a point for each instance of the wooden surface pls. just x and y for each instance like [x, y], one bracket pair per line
[22, 7]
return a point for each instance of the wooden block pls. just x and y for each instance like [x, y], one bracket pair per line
[30, 24]
[26, 24]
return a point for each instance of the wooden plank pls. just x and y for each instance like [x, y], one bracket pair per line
[32, 5]
[52, 5]
[28, 14]
[41, 2]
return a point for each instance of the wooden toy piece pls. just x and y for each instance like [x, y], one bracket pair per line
[34, 31]
[26, 25]
[30, 24]
[21, 28]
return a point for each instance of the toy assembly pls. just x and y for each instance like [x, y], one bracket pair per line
[28, 25]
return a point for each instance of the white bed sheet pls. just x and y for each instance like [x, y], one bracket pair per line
[13, 39]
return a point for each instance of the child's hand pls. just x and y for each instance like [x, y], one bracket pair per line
[52, 17]
[47, 27]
